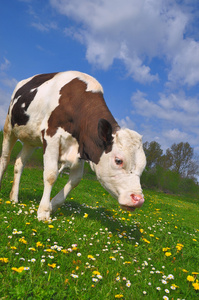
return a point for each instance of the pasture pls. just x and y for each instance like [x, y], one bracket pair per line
[91, 249]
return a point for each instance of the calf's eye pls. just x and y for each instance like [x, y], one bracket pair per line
[118, 161]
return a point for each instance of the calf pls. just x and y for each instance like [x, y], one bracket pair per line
[66, 114]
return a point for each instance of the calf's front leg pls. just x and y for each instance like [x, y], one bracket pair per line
[49, 176]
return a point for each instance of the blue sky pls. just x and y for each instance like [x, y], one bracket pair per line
[145, 53]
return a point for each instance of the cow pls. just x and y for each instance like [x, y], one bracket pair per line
[66, 114]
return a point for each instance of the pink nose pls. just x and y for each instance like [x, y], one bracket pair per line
[137, 200]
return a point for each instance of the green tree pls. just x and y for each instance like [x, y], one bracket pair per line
[153, 153]
[180, 157]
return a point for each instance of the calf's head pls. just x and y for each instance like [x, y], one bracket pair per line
[119, 169]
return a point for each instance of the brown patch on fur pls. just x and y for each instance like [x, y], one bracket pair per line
[78, 113]
[44, 141]
[6, 129]
[25, 97]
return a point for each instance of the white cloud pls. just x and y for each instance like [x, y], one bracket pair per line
[136, 31]
[174, 108]
[173, 118]
[5, 64]
[45, 27]
[127, 123]
[176, 135]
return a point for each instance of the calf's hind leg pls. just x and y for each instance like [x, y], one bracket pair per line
[20, 162]
[9, 140]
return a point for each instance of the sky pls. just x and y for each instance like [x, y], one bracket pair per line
[145, 53]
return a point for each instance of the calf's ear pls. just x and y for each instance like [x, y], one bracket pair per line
[105, 131]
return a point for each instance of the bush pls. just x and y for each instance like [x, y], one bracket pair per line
[169, 181]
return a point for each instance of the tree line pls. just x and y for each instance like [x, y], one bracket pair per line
[175, 171]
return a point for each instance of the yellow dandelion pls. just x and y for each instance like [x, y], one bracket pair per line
[165, 249]
[196, 285]
[118, 296]
[190, 278]
[18, 270]
[85, 215]
[50, 226]
[4, 260]
[146, 241]
[64, 251]
[168, 254]
[22, 240]
[39, 244]
[96, 273]
[52, 265]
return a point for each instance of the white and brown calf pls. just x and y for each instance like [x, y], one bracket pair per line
[66, 114]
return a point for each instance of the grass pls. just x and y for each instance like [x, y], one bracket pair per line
[91, 249]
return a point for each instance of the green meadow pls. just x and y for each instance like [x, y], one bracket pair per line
[91, 249]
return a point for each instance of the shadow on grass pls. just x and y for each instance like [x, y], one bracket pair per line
[106, 217]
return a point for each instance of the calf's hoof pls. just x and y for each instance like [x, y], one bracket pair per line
[43, 215]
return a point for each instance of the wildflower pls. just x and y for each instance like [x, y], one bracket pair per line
[85, 215]
[94, 279]
[22, 240]
[52, 265]
[79, 254]
[96, 273]
[32, 249]
[18, 270]
[185, 271]
[165, 298]
[74, 276]
[146, 241]
[165, 249]
[39, 244]
[119, 296]
[91, 257]
[196, 285]
[42, 260]
[63, 250]
[13, 248]
[170, 276]
[168, 254]
[4, 260]
[190, 278]
[33, 260]
[144, 292]
[99, 276]
[50, 226]
[164, 281]
[167, 291]
[158, 288]
[112, 257]
[174, 286]
[128, 284]
[26, 268]
[118, 278]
